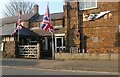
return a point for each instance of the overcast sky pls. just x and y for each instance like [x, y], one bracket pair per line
[54, 5]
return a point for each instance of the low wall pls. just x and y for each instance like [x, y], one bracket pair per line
[86, 56]
[9, 49]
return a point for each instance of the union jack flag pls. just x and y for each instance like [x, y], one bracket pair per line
[19, 23]
[46, 25]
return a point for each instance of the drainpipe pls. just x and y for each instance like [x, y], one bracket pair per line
[80, 26]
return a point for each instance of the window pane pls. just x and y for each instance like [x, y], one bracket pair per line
[59, 41]
[88, 4]
[93, 4]
[81, 5]
[63, 41]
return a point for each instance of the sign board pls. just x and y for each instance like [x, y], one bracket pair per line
[74, 49]
[94, 39]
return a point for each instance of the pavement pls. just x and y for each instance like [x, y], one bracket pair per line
[84, 65]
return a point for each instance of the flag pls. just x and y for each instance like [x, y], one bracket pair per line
[46, 25]
[19, 23]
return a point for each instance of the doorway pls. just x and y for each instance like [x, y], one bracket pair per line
[59, 44]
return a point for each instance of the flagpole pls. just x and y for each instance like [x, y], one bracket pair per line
[17, 25]
[18, 36]
[53, 51]
[19, 17]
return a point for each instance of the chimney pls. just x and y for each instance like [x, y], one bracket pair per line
[36, 9]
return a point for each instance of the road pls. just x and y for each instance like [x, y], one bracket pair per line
[19, 62]
[8, 70]
[37, 67]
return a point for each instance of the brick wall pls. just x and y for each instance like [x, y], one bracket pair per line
[36, 24]
[57, 22]
[105, 29]
[79, 56]
[71, 25]
[9, 49]
[119, 24]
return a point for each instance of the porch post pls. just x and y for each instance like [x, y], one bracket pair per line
[53, 50]
[38, 50]
[46, 43]
[62, 43]
[55, 44]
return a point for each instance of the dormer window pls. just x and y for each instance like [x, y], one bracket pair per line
[88, 4]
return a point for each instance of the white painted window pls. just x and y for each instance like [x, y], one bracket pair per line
[3, 38]
[88, 4]
[7, 39]
[11, 38]
[2, 46]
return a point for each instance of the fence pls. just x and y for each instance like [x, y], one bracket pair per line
[75, 54]
[79, 56]
[29, 51]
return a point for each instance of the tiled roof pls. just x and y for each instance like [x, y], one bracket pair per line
[57, 15]
[25, 17]
[54, 16]
[46, 33]
[60, 31]
[7, 29]
[42, 32]
[8, 26]
[13, 19]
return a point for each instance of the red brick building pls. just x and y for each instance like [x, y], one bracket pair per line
[96, 34]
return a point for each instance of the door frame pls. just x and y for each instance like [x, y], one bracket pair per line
[62, 40]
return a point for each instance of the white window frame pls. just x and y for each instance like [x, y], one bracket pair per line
[85, 5]
[61, 47]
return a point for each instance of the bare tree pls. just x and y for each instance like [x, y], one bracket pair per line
[11, 9]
